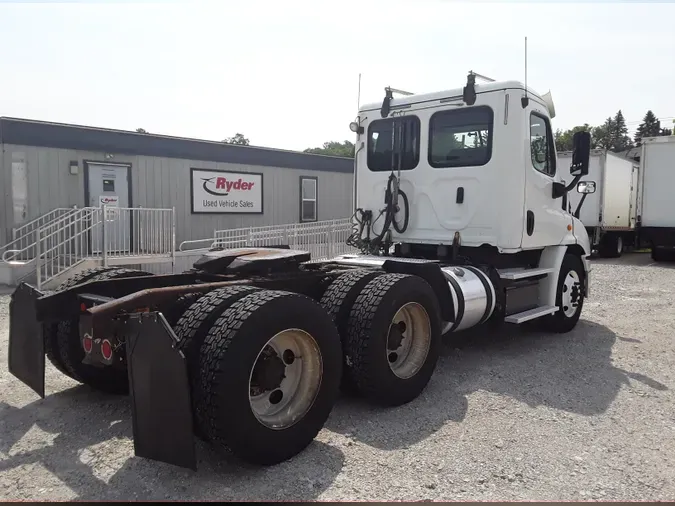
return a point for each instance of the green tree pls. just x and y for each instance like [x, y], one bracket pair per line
[334, 148]
[612, 135]
[239, 139]
[620, 138]
[603, 135]
[650, 127]
[563, 139]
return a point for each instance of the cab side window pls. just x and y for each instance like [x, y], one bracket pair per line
[541, 144]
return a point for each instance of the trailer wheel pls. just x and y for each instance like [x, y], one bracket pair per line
[394, 338]
[338, 300]
[569, 296]
[50, 329]
[270, 374]
[109, 379]
[611, 246]
[662, 254]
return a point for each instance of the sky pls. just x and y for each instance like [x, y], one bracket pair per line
[285, 73]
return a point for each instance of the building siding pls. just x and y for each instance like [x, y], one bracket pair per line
[162, 182]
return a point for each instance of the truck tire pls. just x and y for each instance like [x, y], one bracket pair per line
[174, 310]
[393, 339]
[263, 404]
[50, 329]
[611, 246]
[113, 380]
[569, 296]
[338, 300]
[193, 326]
[662, 254]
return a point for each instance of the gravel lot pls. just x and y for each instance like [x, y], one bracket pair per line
[514, 416]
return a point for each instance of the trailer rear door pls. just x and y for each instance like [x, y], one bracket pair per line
[657, 182]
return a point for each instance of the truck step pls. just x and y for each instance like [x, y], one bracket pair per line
[530, 314]
[524, 273]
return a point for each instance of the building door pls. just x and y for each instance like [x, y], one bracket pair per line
[108, 184]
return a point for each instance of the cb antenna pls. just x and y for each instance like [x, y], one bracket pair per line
[525, 101]
[358, 95]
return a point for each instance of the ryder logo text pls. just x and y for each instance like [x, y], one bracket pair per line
[216, 185]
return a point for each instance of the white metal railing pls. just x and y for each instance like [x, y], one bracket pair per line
[22, 246]
[322, 239]
[107, 233]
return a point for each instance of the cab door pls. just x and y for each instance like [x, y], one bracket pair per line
[545, 221]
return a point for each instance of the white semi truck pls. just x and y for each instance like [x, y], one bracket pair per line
[656, 204]
[460, 220]
[609, 214]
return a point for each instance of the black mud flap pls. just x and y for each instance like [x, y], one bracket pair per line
[26, 339]
[160, 392]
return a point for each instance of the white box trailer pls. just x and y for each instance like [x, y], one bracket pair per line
[609, 214]
[656, 205]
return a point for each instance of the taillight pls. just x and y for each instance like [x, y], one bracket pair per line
[87, 343]
[106, 349]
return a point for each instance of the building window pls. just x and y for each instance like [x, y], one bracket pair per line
[380, 143]
[308, 198]
[541, 144]
[460, 138]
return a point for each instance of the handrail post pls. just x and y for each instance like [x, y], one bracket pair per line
[37, 261]
[331, 241]
[173, 240]
[105, 236]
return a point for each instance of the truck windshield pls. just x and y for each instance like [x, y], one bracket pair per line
[460, 138]
[381, 147]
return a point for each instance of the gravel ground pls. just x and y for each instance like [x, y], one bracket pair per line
[514, 416]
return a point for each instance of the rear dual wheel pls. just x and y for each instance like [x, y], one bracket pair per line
[70, 353]
[269, 373]
[393, 338]
[50, 329]
[390, 329]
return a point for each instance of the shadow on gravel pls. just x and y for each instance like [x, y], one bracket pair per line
[84, 428]
[570, 372]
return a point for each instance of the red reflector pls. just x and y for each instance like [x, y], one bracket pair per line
[83, 307]
[87, 344]
[106, 349]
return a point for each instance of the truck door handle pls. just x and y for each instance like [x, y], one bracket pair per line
[460, 195]
[530, 222]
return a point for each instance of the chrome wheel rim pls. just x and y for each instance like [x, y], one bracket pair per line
[619, 245]
[285, 379]
[571, 294]
[408, 340]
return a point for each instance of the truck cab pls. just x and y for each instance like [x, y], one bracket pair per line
[482, 168]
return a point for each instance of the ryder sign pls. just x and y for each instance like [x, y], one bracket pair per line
[217, 191]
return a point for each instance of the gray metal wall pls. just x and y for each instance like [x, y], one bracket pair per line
[165, 182]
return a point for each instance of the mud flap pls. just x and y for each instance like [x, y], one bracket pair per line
[26, 358]
[160, 392]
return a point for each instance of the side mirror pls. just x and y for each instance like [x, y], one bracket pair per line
[581, 153]
[586, 187]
